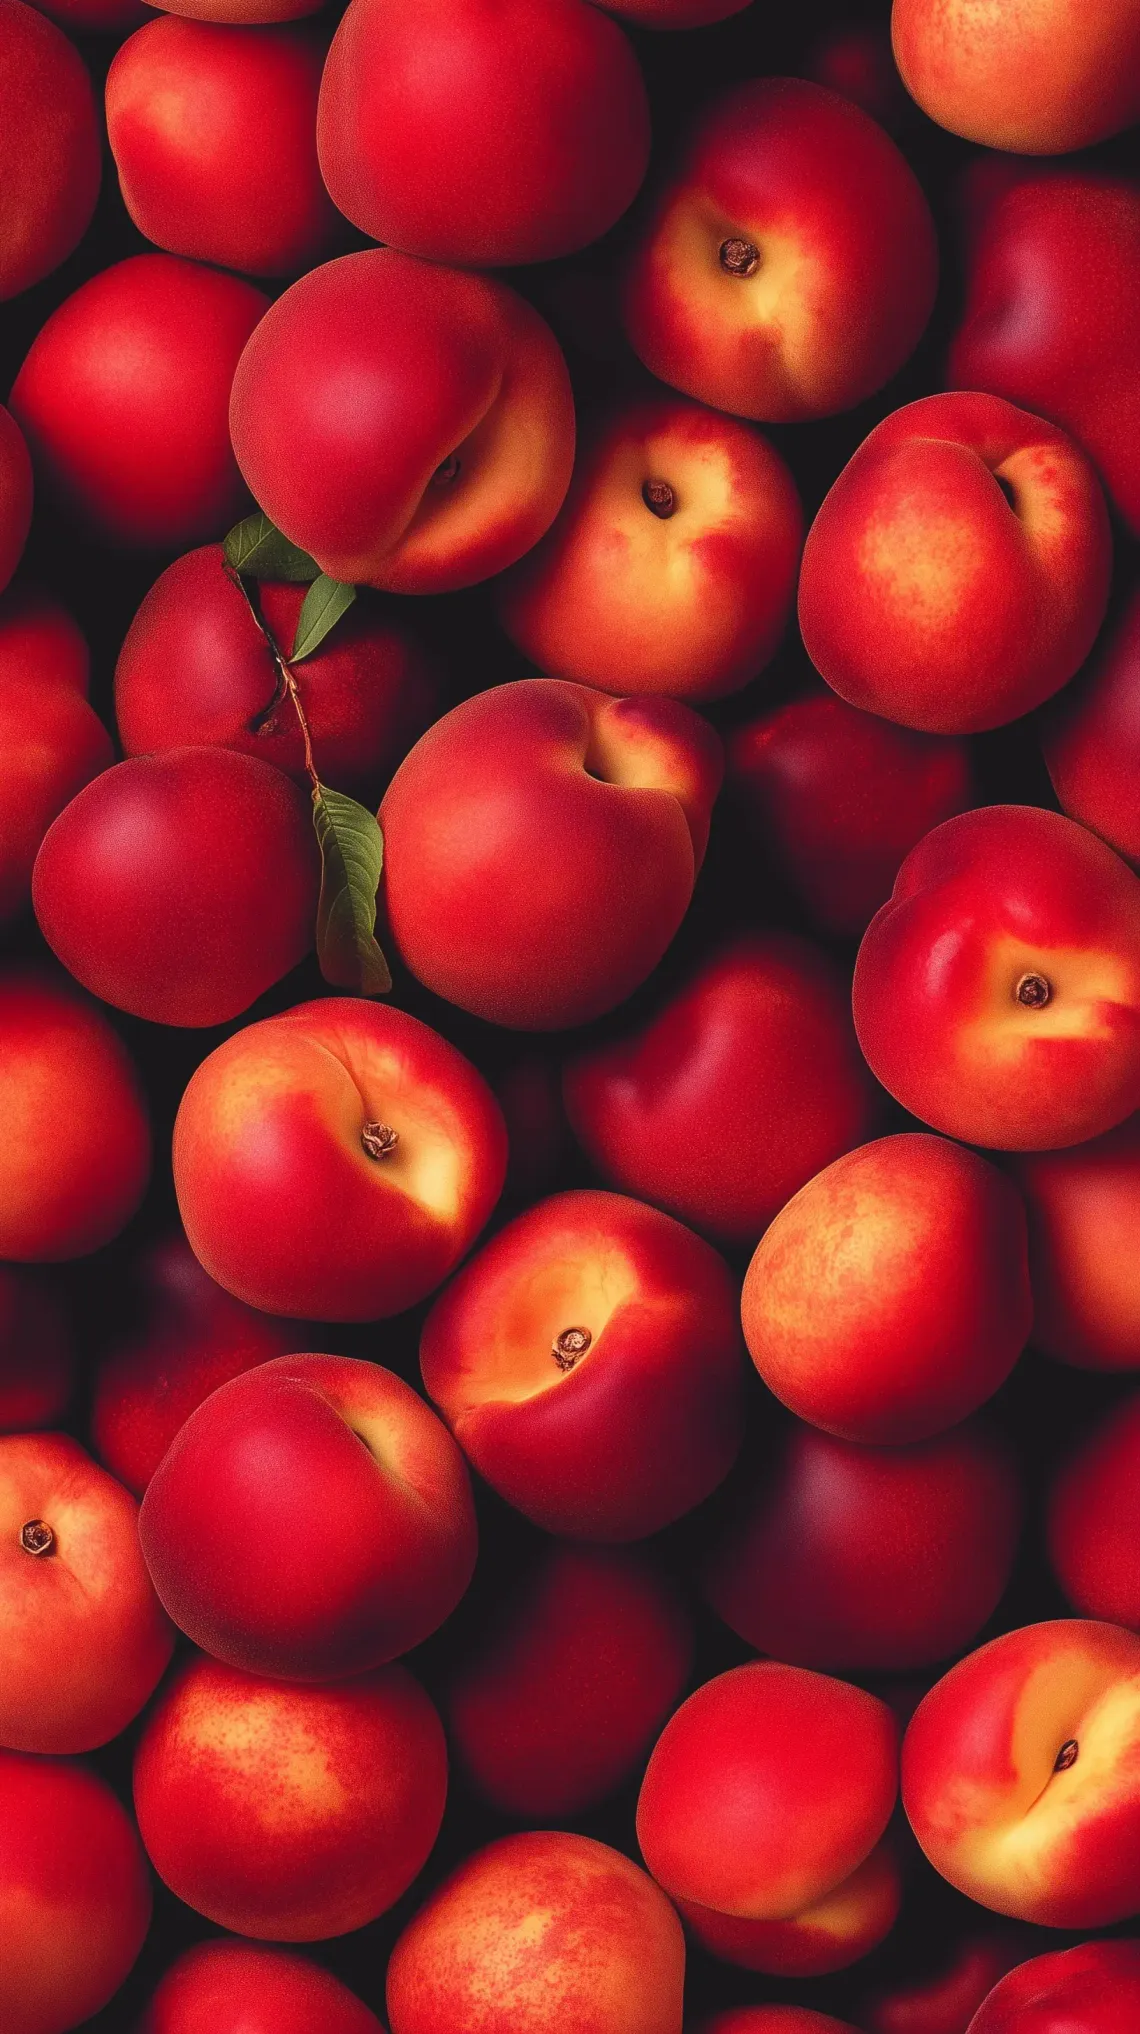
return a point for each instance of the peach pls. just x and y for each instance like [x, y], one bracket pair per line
[235, 1988]
[75, 1155]
[739, 1087]
[367, 692]
[1052, 268]
[542, 842]
[141, 461]
[1092, 1989]
[15, 486]
[183, 1336]
[1094, 1515]
[774, 2020]
[672, 564]
[181, 886]
[587, 1361]
[462, 422]
[760, 1812]
[1083, 1205]
[52, 155]
[832, 800]
[891, 1296]
[85, 1641]
[75, 1897]
[387, 1155]
[944, 1999]
[866, 1560]
[997, 994]
[289, 1814]
[1019, 1774]
[790, 264]
[565, 1685]
[196, 111]
[540, 1930]
[483, 135]
[52, 739]
[1043, 77]
[957, 573]
[1090, 737]
[350, 1505]
[37, 1353]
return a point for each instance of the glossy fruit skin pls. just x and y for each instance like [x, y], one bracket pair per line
[37, 1352]
[737, 1090]
[195, 111]
[1081, 1204]
[53, 741]
[15, 490]
[806, 178]
[52, 155]
[1090, 737]
[61, 1063]
[931, 597]
[835, 799]
[367, 692]
[352, 1498]
[1006, 895]
[646, 1421]
[866, 1560]
[143, 465]
[517, 886]
[181, 886]
[834, 1932]
[75, 1898]
[482, 135]
[538, 1926]
[1091, 1523]
[1092, 1989]
[564, 1687]
[235, 1988]
[184, 1336]
[306, 1084]
[442, 366]
[289, 1814]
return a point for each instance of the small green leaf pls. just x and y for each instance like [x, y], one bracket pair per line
[352, 856]
[258, 548]
[324, 603]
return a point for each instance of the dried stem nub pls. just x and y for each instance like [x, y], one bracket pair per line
[739, 257]
[379, 1139]
[570, 1346]
[37, 1537]
[1033, 992]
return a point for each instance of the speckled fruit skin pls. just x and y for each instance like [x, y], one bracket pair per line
[235, 1988]
[891, 1296]
[37, 1352]
[75, 1156]
[542, 842]
[1042, 77]
[15, 488]
[848, 259]
[763, 1805]
[354, 1503]
[540, 1929]
[368, 692]
[381, 1232]
[75, 1898]
[181, 886]
[834, 799]
[737, 1089]
[1092, 1528]
[143, 463]
[1083, 1205]
[1090, 737]
[935, 598]
[482, 135]
[997, 994]
[1018, 1774]
[52, 158]
[196, 110]
[52, 739]
[614, 1440]
[866, 1560]
[443, 366]
[85, 1641]
[289, 1814]
[1092, 1989]
[691, 598]
[559, 1694]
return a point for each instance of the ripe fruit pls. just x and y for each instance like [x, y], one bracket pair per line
[1091, 1528]
[1082, 1206]
[1090, 737]
[181, 886]
[52, 739]
[235, 1988]
[1043, 79]
[52, 158]
[1093, 1989]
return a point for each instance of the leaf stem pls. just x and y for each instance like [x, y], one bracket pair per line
[285, 673]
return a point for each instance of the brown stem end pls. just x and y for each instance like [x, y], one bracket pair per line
[1033, 992]
[659, 498]
[379, 1139]
[1067, 1756]
[37, 1537]
[570, 1346]
[739, 257]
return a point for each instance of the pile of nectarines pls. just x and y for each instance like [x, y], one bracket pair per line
[569, 1017]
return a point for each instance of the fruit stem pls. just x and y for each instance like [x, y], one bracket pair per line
[379, 1139]
[287, 683]
[659, 497]
[1033, 992]
[37, 1537]
[739, 257]
[570, 1346]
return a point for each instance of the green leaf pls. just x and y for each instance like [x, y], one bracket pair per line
[352, 856]
[324, 603]
[258, 548]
